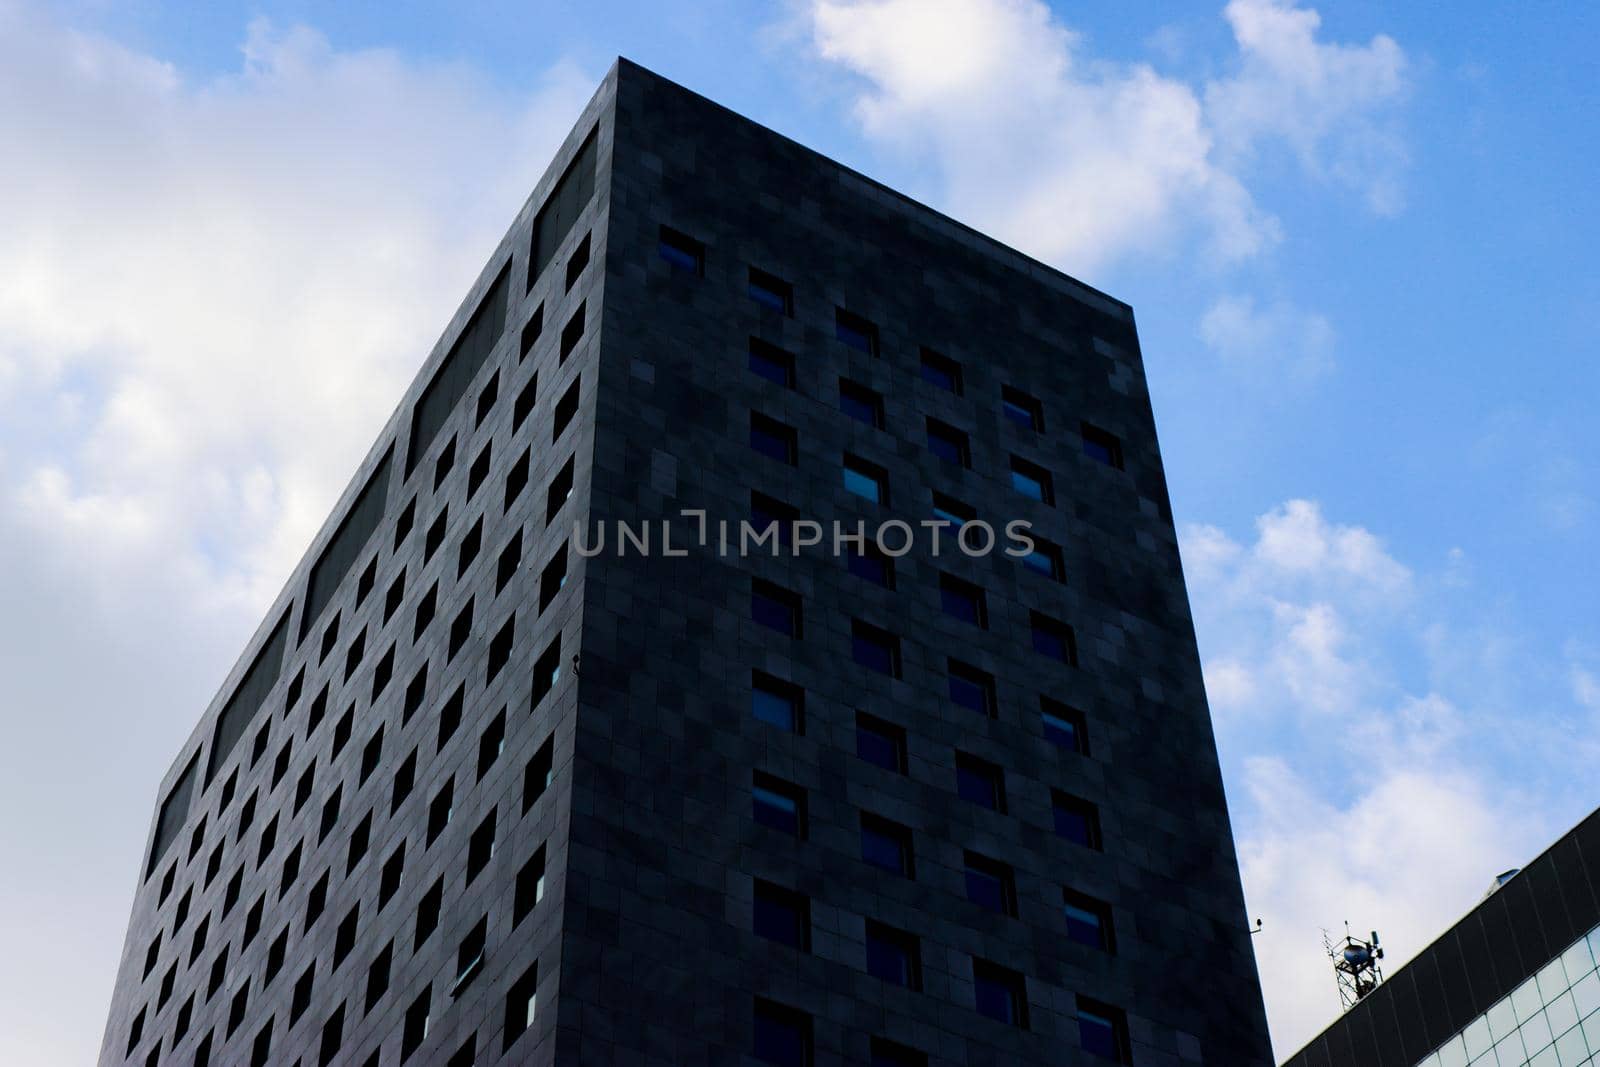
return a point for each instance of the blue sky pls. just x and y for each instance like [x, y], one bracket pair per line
[1358, 238]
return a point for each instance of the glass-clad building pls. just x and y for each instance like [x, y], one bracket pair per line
[1515, 983]
[1550, 1020]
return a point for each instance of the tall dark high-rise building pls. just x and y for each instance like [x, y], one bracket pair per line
[1514, 983]
[483, 791]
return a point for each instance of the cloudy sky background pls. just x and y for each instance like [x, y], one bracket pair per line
[1359, 239]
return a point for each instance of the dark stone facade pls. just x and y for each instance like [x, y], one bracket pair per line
[641, 947]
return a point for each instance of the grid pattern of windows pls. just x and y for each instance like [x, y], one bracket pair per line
[1550, 1020]
[439, 745]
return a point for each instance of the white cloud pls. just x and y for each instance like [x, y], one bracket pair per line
[1371, 790]
[1332, 104]
[1274, 343]
[214, 290]
[235, 278]
[1081, 161]
[1411, 852]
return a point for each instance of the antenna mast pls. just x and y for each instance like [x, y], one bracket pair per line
[1355, 965]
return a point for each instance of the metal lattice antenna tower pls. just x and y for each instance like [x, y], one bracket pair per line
[1355, 965]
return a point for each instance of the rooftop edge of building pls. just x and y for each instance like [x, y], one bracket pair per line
[950, 227]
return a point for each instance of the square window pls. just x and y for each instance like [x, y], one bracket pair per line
[683, 253]
[491, 743]
[1000, 993]
[772, 363]
[887, 1053]
[1075, 819]
[773, 439]
[893, 956]
[1064, 726]
[871, 565]
[777, 702]
[428, 909]
[500, 649]
[527, 397]
[460, 631]
[330, 814]
[300, 999]
[517, 478]
[469, 956]
[414, 1031]
[380, 675]
[782, 915]
[941, 371]
[530, 332]
[440, 810]
[775, 607]
[538, 775]
[530, 886]
[445, 463]
[963, 600]
[578, 261]
[1088, 920]
[405, 777]
[378, 975]
[781, 1035]
[1103, 1031]
[560, 490]
[480, 847]
[486, 398]
[855, 331]
[779, 805]
[416, 692]
[522, 1002]
[369, 578]
[766, 512]
[860, 403]
[887, 845]
[1032, 481]
[565, 410]
[874, 648]
[546, 672]
[1054, 638]
[505, 568]
[949, 443]
[426, 607]
[1102, 446]
[972, 689]
[951, 510]
[881, 743]
[330, 638]
[291, 871]
[479, 469]
[360, 837]
[450, 716]
[1022, 409]
[436, 532]
[1045, 559]
[991, 885]
[572, 333]
[866, 480]
[353, 656]
[393, 871]
[980, 782]
[332, 1037]
[344, 938]
[771, 291]
[553, 578]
